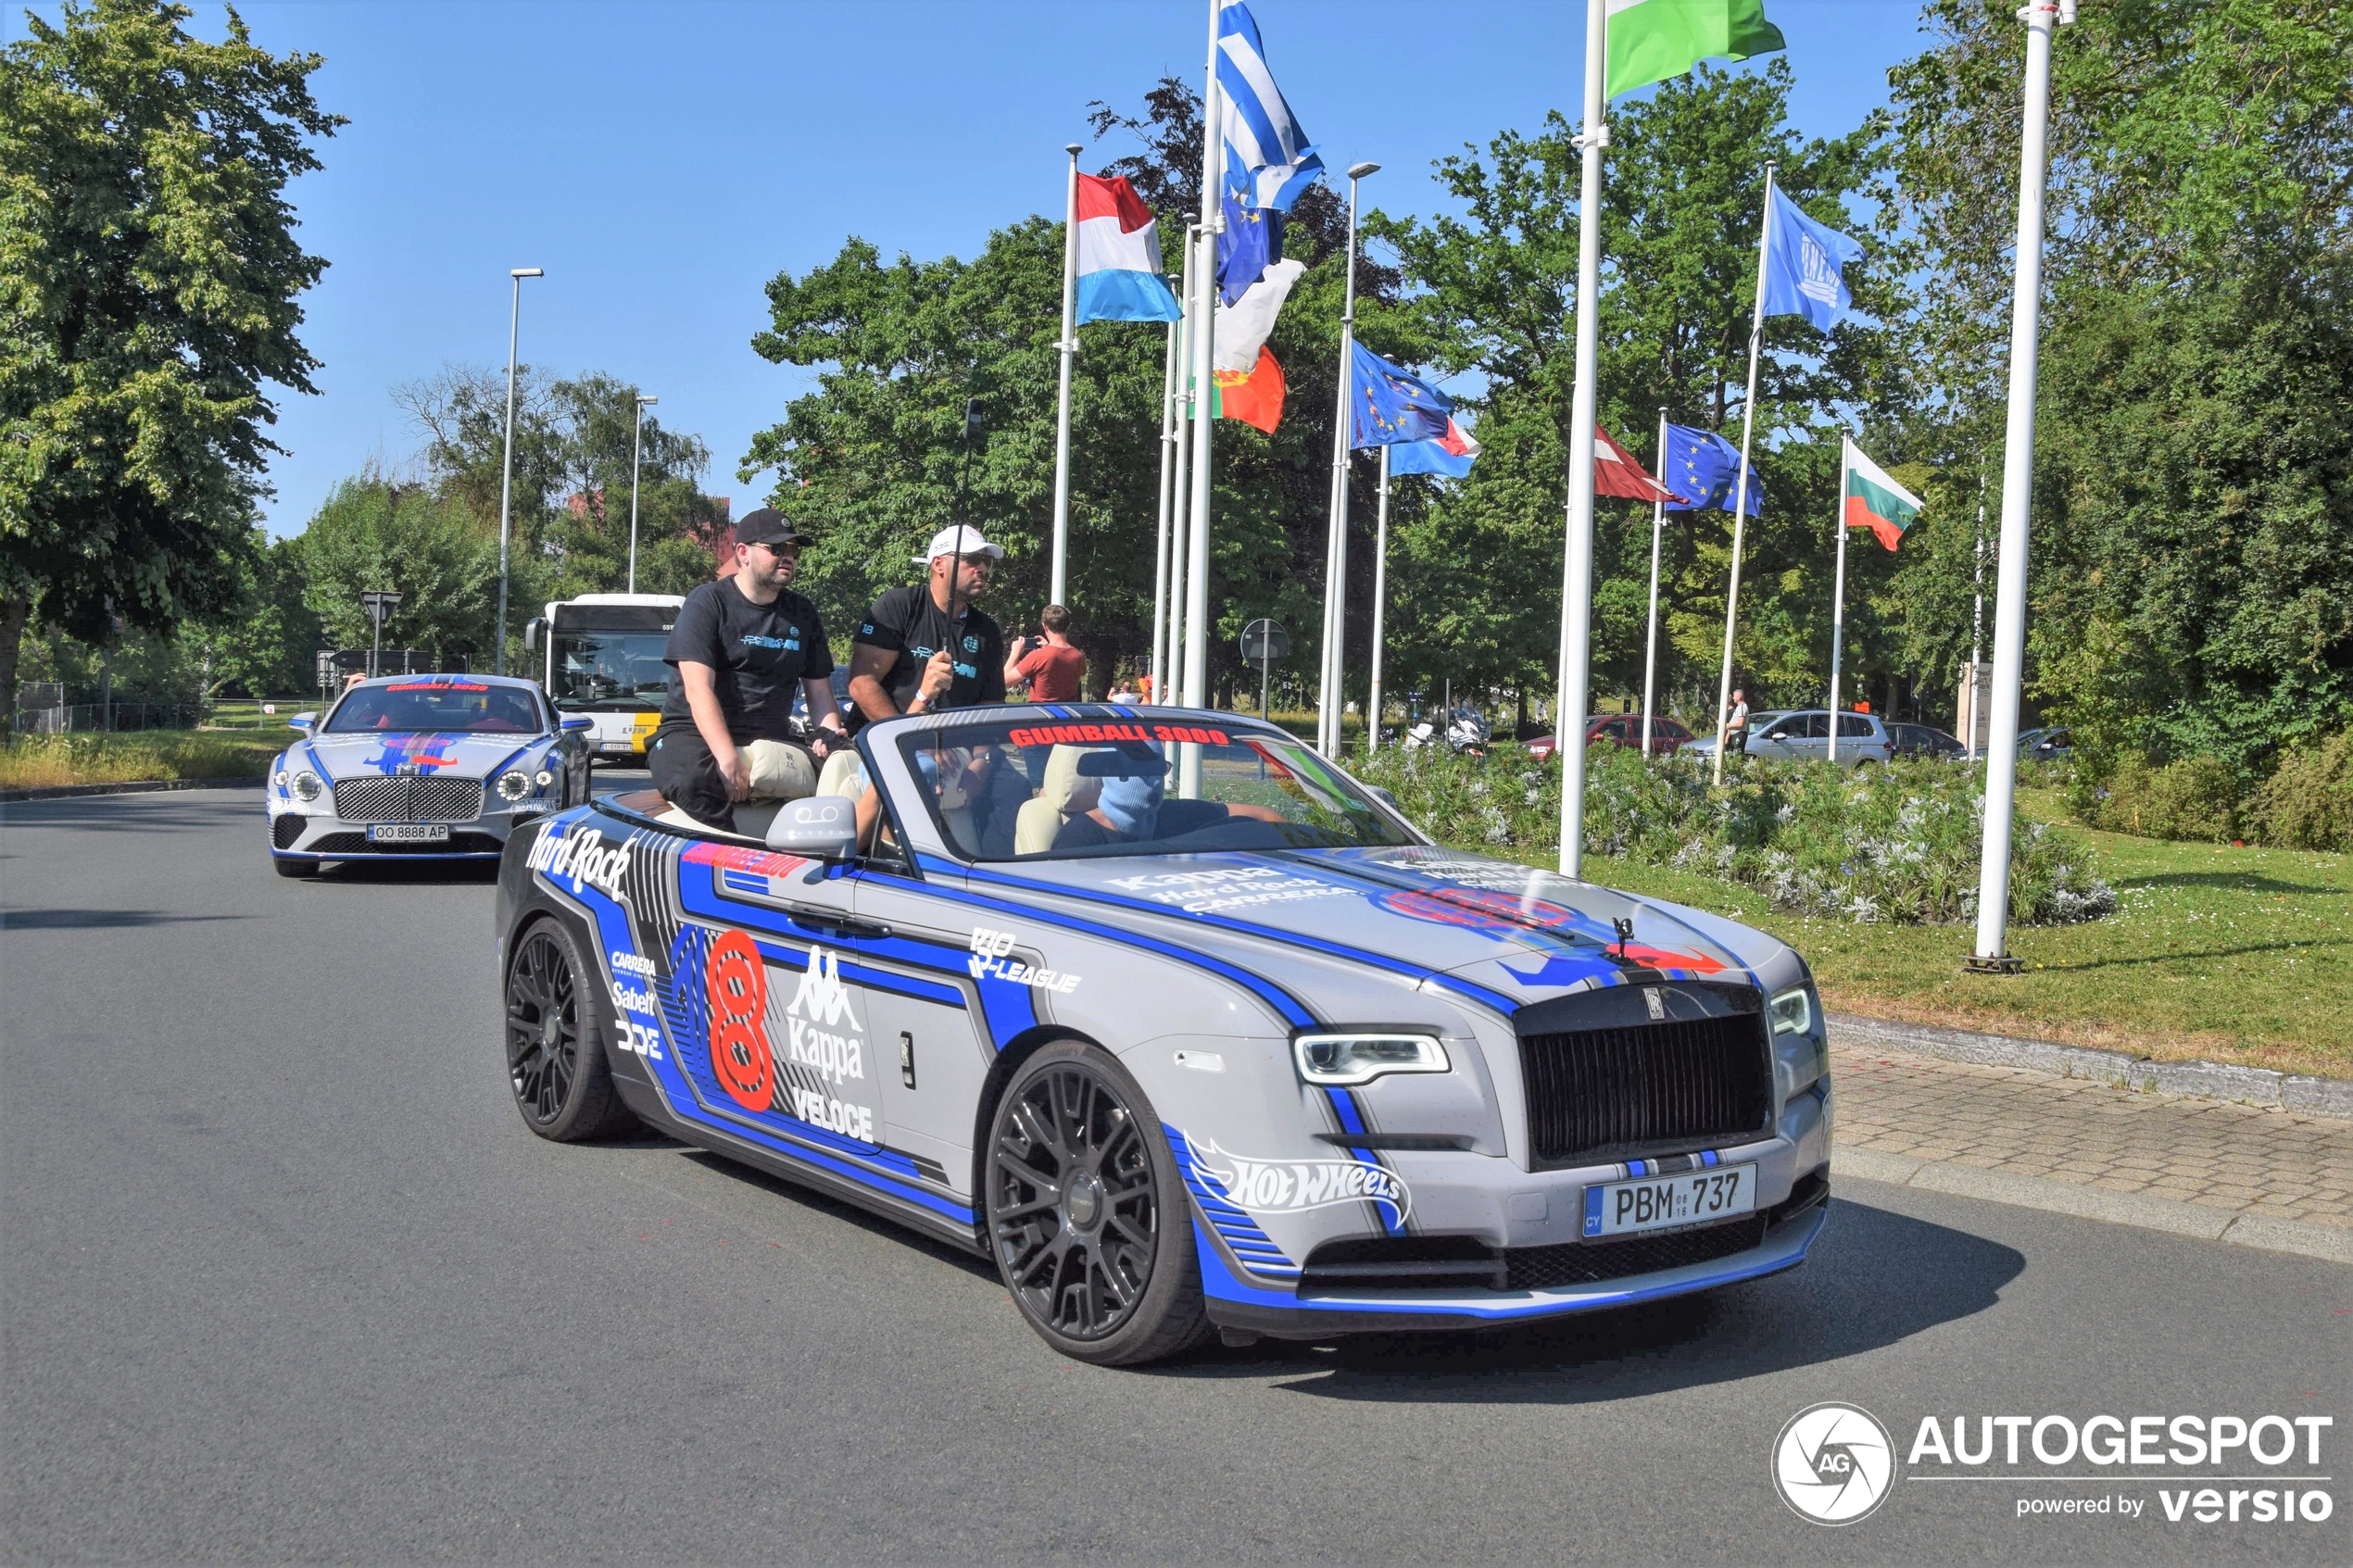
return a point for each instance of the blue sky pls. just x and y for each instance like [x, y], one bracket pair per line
[662, 162]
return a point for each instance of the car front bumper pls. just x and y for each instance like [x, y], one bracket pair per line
[323, 835]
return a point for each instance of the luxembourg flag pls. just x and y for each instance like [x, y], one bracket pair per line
[1119, 276]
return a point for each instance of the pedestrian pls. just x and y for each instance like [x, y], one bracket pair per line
[740, 647]
[925, 647]
[1736, 726]
[1050, 667]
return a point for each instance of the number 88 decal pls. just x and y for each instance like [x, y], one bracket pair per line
[738, 987]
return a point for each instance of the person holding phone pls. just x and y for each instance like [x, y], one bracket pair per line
[1049, 666]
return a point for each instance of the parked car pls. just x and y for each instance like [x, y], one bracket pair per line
[1093, 1004]
[422, 768]
[2043, 745]
[1797, 736]
[1924, 740]
[1626, 729]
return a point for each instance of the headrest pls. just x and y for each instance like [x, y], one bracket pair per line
[1066, 789]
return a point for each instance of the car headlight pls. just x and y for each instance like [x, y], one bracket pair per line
[1798, 1012]
[308, 785]
[543, 778]
[513, 784]
[1792, 1013]
[1360, 1059]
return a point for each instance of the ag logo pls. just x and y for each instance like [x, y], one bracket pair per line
[1833, 1463]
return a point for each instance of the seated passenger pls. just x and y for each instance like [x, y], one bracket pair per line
[1132, 809]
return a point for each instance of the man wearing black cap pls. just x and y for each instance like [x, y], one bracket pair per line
[740, 645]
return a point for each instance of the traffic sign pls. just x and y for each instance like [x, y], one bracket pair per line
[1264, 640]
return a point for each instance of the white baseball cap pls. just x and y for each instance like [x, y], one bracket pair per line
[947, 541]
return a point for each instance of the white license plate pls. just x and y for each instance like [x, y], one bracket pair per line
[409, 833]
[1654, 1203]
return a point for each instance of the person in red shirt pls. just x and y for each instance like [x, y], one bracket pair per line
[1049, 668]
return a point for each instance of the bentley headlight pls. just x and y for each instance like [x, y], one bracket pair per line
[307, 786]
[1360, 1059]
[513, 784]
[543, 778]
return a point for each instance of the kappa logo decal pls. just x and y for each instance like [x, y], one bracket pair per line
[821, 997]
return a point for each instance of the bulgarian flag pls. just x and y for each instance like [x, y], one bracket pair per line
[1652, 40]
[1256, 399]
[1872, 500]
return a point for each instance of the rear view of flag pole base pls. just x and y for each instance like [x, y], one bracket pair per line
[1977, 963]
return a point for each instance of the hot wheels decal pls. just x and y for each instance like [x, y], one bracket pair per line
[1287, 1186]
[738, 989]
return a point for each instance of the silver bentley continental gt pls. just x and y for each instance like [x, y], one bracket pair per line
[421, 767]
[1185, 1029]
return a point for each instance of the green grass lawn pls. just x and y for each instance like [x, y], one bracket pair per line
[2235, 955]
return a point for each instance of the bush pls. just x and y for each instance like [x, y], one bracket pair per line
[1896, 843]
[2195, 798]
[2308, 803]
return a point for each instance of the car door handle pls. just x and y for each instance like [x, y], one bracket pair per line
[836, 922]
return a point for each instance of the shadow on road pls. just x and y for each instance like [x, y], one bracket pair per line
[1875, 1278]
[91, 920]
[847, 1213]
[380, 873]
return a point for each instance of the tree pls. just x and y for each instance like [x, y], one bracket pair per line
[266, 644]
[148, 287]
[371, 533]
[588, 536]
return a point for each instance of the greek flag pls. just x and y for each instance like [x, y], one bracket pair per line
[1267, 155]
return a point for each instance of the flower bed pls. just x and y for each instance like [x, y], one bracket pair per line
[1895, 843]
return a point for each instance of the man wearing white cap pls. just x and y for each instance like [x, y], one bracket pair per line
[926, 647]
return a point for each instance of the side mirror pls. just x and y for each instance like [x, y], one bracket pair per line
[824, 827]
[1377, 793]
[576, 722]
[530, 629]
[303, 722]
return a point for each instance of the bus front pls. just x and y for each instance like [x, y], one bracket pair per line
[604, 664]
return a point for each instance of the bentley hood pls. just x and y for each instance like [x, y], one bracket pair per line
[467, 755]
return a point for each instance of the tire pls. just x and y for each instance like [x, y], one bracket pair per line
[295, 868]
[1086, 1213]
[555, 1044]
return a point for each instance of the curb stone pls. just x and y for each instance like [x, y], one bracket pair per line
[2301, 1093]
[2133, 1209]
[142, 786]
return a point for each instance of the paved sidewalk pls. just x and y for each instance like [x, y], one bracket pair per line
[2265, 1178]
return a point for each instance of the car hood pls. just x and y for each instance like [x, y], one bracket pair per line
[1507, 934]
[460, 755]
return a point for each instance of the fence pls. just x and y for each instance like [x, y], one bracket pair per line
[54, 718]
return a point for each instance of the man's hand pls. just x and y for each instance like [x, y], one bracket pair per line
[737, 771]
[938, 675]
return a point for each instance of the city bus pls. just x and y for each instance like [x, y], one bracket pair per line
[604, 663]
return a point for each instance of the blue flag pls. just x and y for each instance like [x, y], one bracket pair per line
[1801, 266]
[1391, 405]
[1264, 140]
[1253, 237]
[1702, 465]
[1450, 454]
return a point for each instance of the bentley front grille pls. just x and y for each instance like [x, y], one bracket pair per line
[407, 799]
[1618, 1092]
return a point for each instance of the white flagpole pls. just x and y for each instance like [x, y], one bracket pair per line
[1380, 596]
[1838, 592]
[1577, 568]
[1329, 694]
[1204, 365]
[2018, 493]
[1062, 409]
[1180, 519]
[1650, 654]
[1160, 549]
[1740, 491]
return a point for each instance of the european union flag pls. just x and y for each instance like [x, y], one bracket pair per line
[1703, 464]
[1392, 405]
[1253, 237]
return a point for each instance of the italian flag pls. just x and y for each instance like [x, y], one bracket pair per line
[1874, 501]
[1652, 40]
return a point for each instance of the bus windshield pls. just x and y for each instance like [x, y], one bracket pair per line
[614, 671]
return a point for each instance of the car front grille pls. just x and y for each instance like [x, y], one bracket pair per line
[1682, 1083]
[1591, 1263]
[407, 799]
[287, 829]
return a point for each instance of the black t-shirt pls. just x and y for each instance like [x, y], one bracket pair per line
[909, 623]
[758, 654]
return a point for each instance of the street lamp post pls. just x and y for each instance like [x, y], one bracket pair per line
[1328, 720]
[506, 480]
[637, 449]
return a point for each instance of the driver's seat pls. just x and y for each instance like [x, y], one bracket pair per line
[1066, 793]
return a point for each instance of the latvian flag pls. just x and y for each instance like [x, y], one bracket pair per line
[1119, 276]
[1616, 474]
[1874, 501]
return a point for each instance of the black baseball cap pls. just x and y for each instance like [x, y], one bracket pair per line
[767, 526]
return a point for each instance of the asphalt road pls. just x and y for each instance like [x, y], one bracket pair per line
[286, 1279]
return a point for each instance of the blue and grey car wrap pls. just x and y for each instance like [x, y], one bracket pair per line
[897, 998]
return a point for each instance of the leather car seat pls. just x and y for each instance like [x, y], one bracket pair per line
[1065, 794]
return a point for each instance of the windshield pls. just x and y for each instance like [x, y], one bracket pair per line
[415, 706]
[1005, 790]
[608, 670]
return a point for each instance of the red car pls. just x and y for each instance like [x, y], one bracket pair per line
[1625, 729]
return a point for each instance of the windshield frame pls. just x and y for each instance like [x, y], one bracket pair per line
[890, 747]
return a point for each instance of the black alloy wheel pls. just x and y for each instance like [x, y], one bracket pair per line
[555, 1054]
[1086, 1218]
